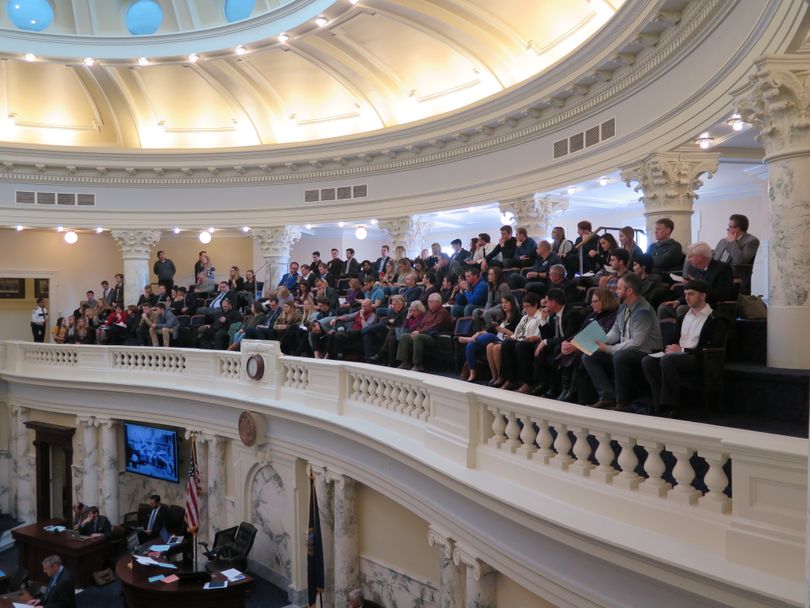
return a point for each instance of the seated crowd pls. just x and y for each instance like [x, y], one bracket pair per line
[512, 307]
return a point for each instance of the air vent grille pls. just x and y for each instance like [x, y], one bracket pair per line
[25, 197]
[579, 141]
[65, 199]
[62, 199]
[46, 198]
[343, 193]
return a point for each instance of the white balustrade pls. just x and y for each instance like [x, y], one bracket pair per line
[153, 360]
[66, 357]
[397, 394]
[296, 375]
[230, 366]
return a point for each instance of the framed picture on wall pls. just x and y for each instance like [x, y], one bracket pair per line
[12, 288]
[41, 288]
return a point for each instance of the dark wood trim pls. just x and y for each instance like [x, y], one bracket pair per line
[49, 436]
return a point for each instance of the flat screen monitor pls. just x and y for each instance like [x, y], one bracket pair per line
[151, 451]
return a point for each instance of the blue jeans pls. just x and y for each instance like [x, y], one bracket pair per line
[477, 346]
[463, 310]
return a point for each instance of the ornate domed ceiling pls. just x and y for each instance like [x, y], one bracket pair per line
[292, 71]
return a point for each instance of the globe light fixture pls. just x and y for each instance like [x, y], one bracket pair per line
[205, 237]
[143, 17]
[71, 237]
[30, 15]
[361, 233]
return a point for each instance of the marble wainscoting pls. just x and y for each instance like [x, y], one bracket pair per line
[5, 481]
[136, 489]
[269, 502]
[393, 589]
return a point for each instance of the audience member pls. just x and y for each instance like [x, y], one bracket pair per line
[164, 270]
[738, 249]
[166, 323]
[412, 346]
[39, 318]
[700, 265]
[472, 293]
[627, 241]
[489, 340]
[666, 253]
[517, 349]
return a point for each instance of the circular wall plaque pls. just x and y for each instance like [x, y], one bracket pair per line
[255, 367]
[247, 429]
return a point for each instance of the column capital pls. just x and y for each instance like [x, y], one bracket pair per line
[777, 102]
[463, 555]
[275, 240]
[409, 232]
[136, 243]
[669, 181]
[106, 422]
[533, 213]
[87, 421]
[440, 538]
[20, 411]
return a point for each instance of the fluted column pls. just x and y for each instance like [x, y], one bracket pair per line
[215, 483]
[668, 182]
[275, 243]
[532, 213]
[24, 466]
[325, 490]
[347, 559]
[136, 247]
[777, 103]
[409, 232]
[451, 576]
[90, 461]
[108, 469]
[480, 581]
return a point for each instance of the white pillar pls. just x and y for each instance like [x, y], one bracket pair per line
[14, 464]
[452, 578]
[215, 484]
[108, 469]
[275, 243]
[777, 103]
[347, 559]
[480, 579]
[533, 214]
[89, 493]
[136, 247]
[24, 466]
[408, 232]
[669, 182]
[325, 489]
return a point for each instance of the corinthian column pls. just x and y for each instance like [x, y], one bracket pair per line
[275, 244]
[324, 490]
[668, 182]
[347, 558]
[481, 579]
[532, 213]
[451, 577]
[135, 246]
[109, 469]
[777, 103]
[408, 232]
[24, 466]
[90, 460]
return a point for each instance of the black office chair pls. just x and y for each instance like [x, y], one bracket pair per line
[231, 548]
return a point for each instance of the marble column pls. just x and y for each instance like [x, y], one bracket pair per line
[347, 558]
[136, 247]
[534, 214]
[14, 464]
[451, 576]
[408, 232]
[90, 461]
[668, 182]
[215, 483]
[108, 469]
[275, 243]
[325, 491]
[24, 464]
[480, 581]
[777, 102]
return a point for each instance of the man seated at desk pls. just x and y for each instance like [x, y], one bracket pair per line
[95, 525]
[156, 523]
[79, 515]
[60, 591]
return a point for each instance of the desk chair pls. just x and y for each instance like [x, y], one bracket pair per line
[231, 548]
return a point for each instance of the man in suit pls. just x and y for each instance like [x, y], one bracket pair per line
[214, 309]
[459, 256]
[557, 280]
[379, 265]
[351, 267]
[335, 266]
[696, 330]
[118, 290]
[155, 523]
[95, 525]
[535, 279]
[290, 279]
[216, 335]
[615, 367]
[106, 294]
[61, 590]
[700, 265]
[738, 249]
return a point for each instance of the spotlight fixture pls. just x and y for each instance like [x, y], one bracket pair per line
[99, 230]
[240, 50]
[30, 57]
[361, 233]
[308, 226]
[603, 181]
[374, 222]
[736, 122]
[143, 61]
[572, 189]
[176, 230]
[211, 230]
[471, 210]
[193, 58]
[205, 237]
[354, 1]
[71, 237]
[246, 229]
[283, 37]
[321, 21]
[704, 141]
[89, 62]
[19, 228]
[60, 229]
[341, 224]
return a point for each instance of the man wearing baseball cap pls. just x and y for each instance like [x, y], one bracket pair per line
[699, 328]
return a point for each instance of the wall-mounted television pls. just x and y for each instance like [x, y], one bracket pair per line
[151, 451]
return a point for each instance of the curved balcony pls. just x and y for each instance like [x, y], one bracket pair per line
[581, 507]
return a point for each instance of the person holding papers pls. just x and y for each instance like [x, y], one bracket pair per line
[614, 367]
[61, 590]
[696, 330]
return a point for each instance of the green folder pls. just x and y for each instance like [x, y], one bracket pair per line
[586, 339]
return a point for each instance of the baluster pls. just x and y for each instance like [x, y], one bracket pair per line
[425, 413]
[355, 387]
[396, 395]
[654, 466]
[628, 461]
[512, 432]
[417, 403]
[582, 451]
[527, 437]
[363, 388]
[408, 405]
[683, 492]
[379, 398]
[563, 446]
[498, 428]
[716, 480]
[386, 402]
[604, 456]
[545, 441]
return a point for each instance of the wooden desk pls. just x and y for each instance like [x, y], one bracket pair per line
[138, 592]
[81, 557]
[21, 597]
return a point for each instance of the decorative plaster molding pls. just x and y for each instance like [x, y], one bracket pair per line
[669, 181]
[408, 232]
[136, 243]
[275, 241]
[441, 538]
[463, 555]
[533, 214]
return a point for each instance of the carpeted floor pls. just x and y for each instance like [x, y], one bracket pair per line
[264, 594]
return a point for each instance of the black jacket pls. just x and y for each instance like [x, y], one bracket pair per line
[100, 525]
[351, 268]
[63, 594]
[160, 520]
[712, 334]
[719, 275]
[571, 322]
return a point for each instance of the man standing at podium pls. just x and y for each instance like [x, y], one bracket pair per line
[61, 591]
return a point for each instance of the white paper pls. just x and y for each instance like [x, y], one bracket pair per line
[220, 585]
[18, 605]
[677, 278]
[231, 573]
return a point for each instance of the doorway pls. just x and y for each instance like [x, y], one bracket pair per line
[54, 461]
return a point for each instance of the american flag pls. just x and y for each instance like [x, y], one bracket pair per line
[193, 493]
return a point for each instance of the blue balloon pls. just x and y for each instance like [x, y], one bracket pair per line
[32, 15]
[236, 10]
[144, 17]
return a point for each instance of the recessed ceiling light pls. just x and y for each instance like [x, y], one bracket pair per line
[309, 226]
[704, 141]
[60, 229]
[603, 181]
[193, 58]
[282, 37]
[143, 61]
[89, 61]
[240, 50]
[470, 209]
[736, 122]
[354, 1]
[572, 189]
[33, 21]
[211, 230]
[19, 228]
[176, 230]
[245, 228]
[321, 21]
[341, 224]
[30, 57]
[99, 230]
[361, 233]
[374, 222]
